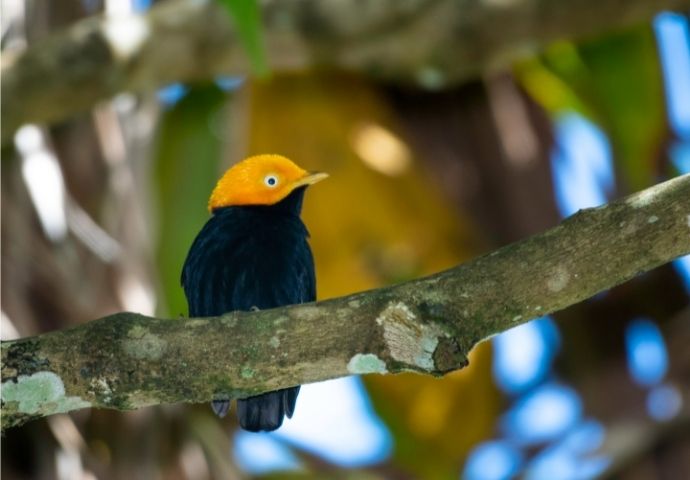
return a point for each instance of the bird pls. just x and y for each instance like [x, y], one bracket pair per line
[253, 253]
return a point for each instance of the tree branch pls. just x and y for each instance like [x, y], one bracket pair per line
[424, 42]
[128, 361]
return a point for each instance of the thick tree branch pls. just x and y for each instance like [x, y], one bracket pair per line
[426, 42]
[129, 361]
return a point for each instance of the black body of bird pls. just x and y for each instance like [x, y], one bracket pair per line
[249, 257]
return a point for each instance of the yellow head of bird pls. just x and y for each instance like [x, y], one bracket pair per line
[260, 180]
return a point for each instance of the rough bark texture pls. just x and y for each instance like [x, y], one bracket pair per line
[431, 43]
[127, 361]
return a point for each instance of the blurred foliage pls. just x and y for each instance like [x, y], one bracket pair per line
[247, 20]
[616, 82]
[438, 420]
[186, 169]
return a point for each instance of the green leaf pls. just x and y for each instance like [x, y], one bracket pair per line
[247, 17]
[549, 89]
[187, 166]
[627, 92]
[616, 82]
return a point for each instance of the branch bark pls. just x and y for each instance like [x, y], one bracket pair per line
[128, 361]
[430, 43]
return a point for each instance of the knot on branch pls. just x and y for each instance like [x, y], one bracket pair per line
[418, 345]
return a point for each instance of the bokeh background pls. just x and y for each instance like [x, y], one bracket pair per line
[98, 213]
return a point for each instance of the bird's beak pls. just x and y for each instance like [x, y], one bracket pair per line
[311, 178]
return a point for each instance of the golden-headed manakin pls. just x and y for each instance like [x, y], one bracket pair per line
[253, 254]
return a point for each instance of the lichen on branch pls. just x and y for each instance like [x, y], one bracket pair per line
[428, 325]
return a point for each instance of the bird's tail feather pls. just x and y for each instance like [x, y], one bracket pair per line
[289, 400]
[220, 407]
[266, 411]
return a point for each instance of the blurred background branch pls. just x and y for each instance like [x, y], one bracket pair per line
[127, 361]
[427, 43]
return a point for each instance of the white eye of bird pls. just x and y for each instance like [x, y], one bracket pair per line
[271, 180]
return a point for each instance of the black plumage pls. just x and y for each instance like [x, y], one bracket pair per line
[249, 257]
